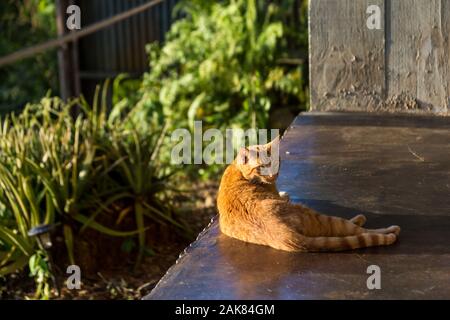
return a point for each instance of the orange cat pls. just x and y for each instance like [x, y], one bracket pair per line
[252, 210]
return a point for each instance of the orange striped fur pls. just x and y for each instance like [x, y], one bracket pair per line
[252, 210]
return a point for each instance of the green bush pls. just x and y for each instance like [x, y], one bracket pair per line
[71, 171]
[223, 64]
[220, 64]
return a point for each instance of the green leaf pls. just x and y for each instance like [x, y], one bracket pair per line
[16, 240]
[101, 228]
[18, 264]
[193, 109]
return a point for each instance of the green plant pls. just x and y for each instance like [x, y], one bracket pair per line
[220, 65]
[77, 171]
[40, 271]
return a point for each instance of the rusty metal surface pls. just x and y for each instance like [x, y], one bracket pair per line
[394, 169]
[121, 47]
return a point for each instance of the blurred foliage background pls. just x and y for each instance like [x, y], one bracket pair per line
[231, 64]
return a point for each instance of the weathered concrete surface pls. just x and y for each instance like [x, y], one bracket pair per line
[394, 169]
[346, 58]
[402, 67]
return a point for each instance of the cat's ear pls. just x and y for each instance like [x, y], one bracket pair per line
[272, 144]
[242, 157]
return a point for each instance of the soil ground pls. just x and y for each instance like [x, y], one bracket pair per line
[123, 281]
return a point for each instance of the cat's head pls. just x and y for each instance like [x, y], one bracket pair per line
[259, 163]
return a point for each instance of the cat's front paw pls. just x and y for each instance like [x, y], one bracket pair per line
[284, 195]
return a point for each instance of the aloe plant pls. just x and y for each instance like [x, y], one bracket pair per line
[57, 168]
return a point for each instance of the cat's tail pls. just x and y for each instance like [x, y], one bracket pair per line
[362, 240]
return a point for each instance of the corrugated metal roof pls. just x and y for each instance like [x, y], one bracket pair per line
[120, 48]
